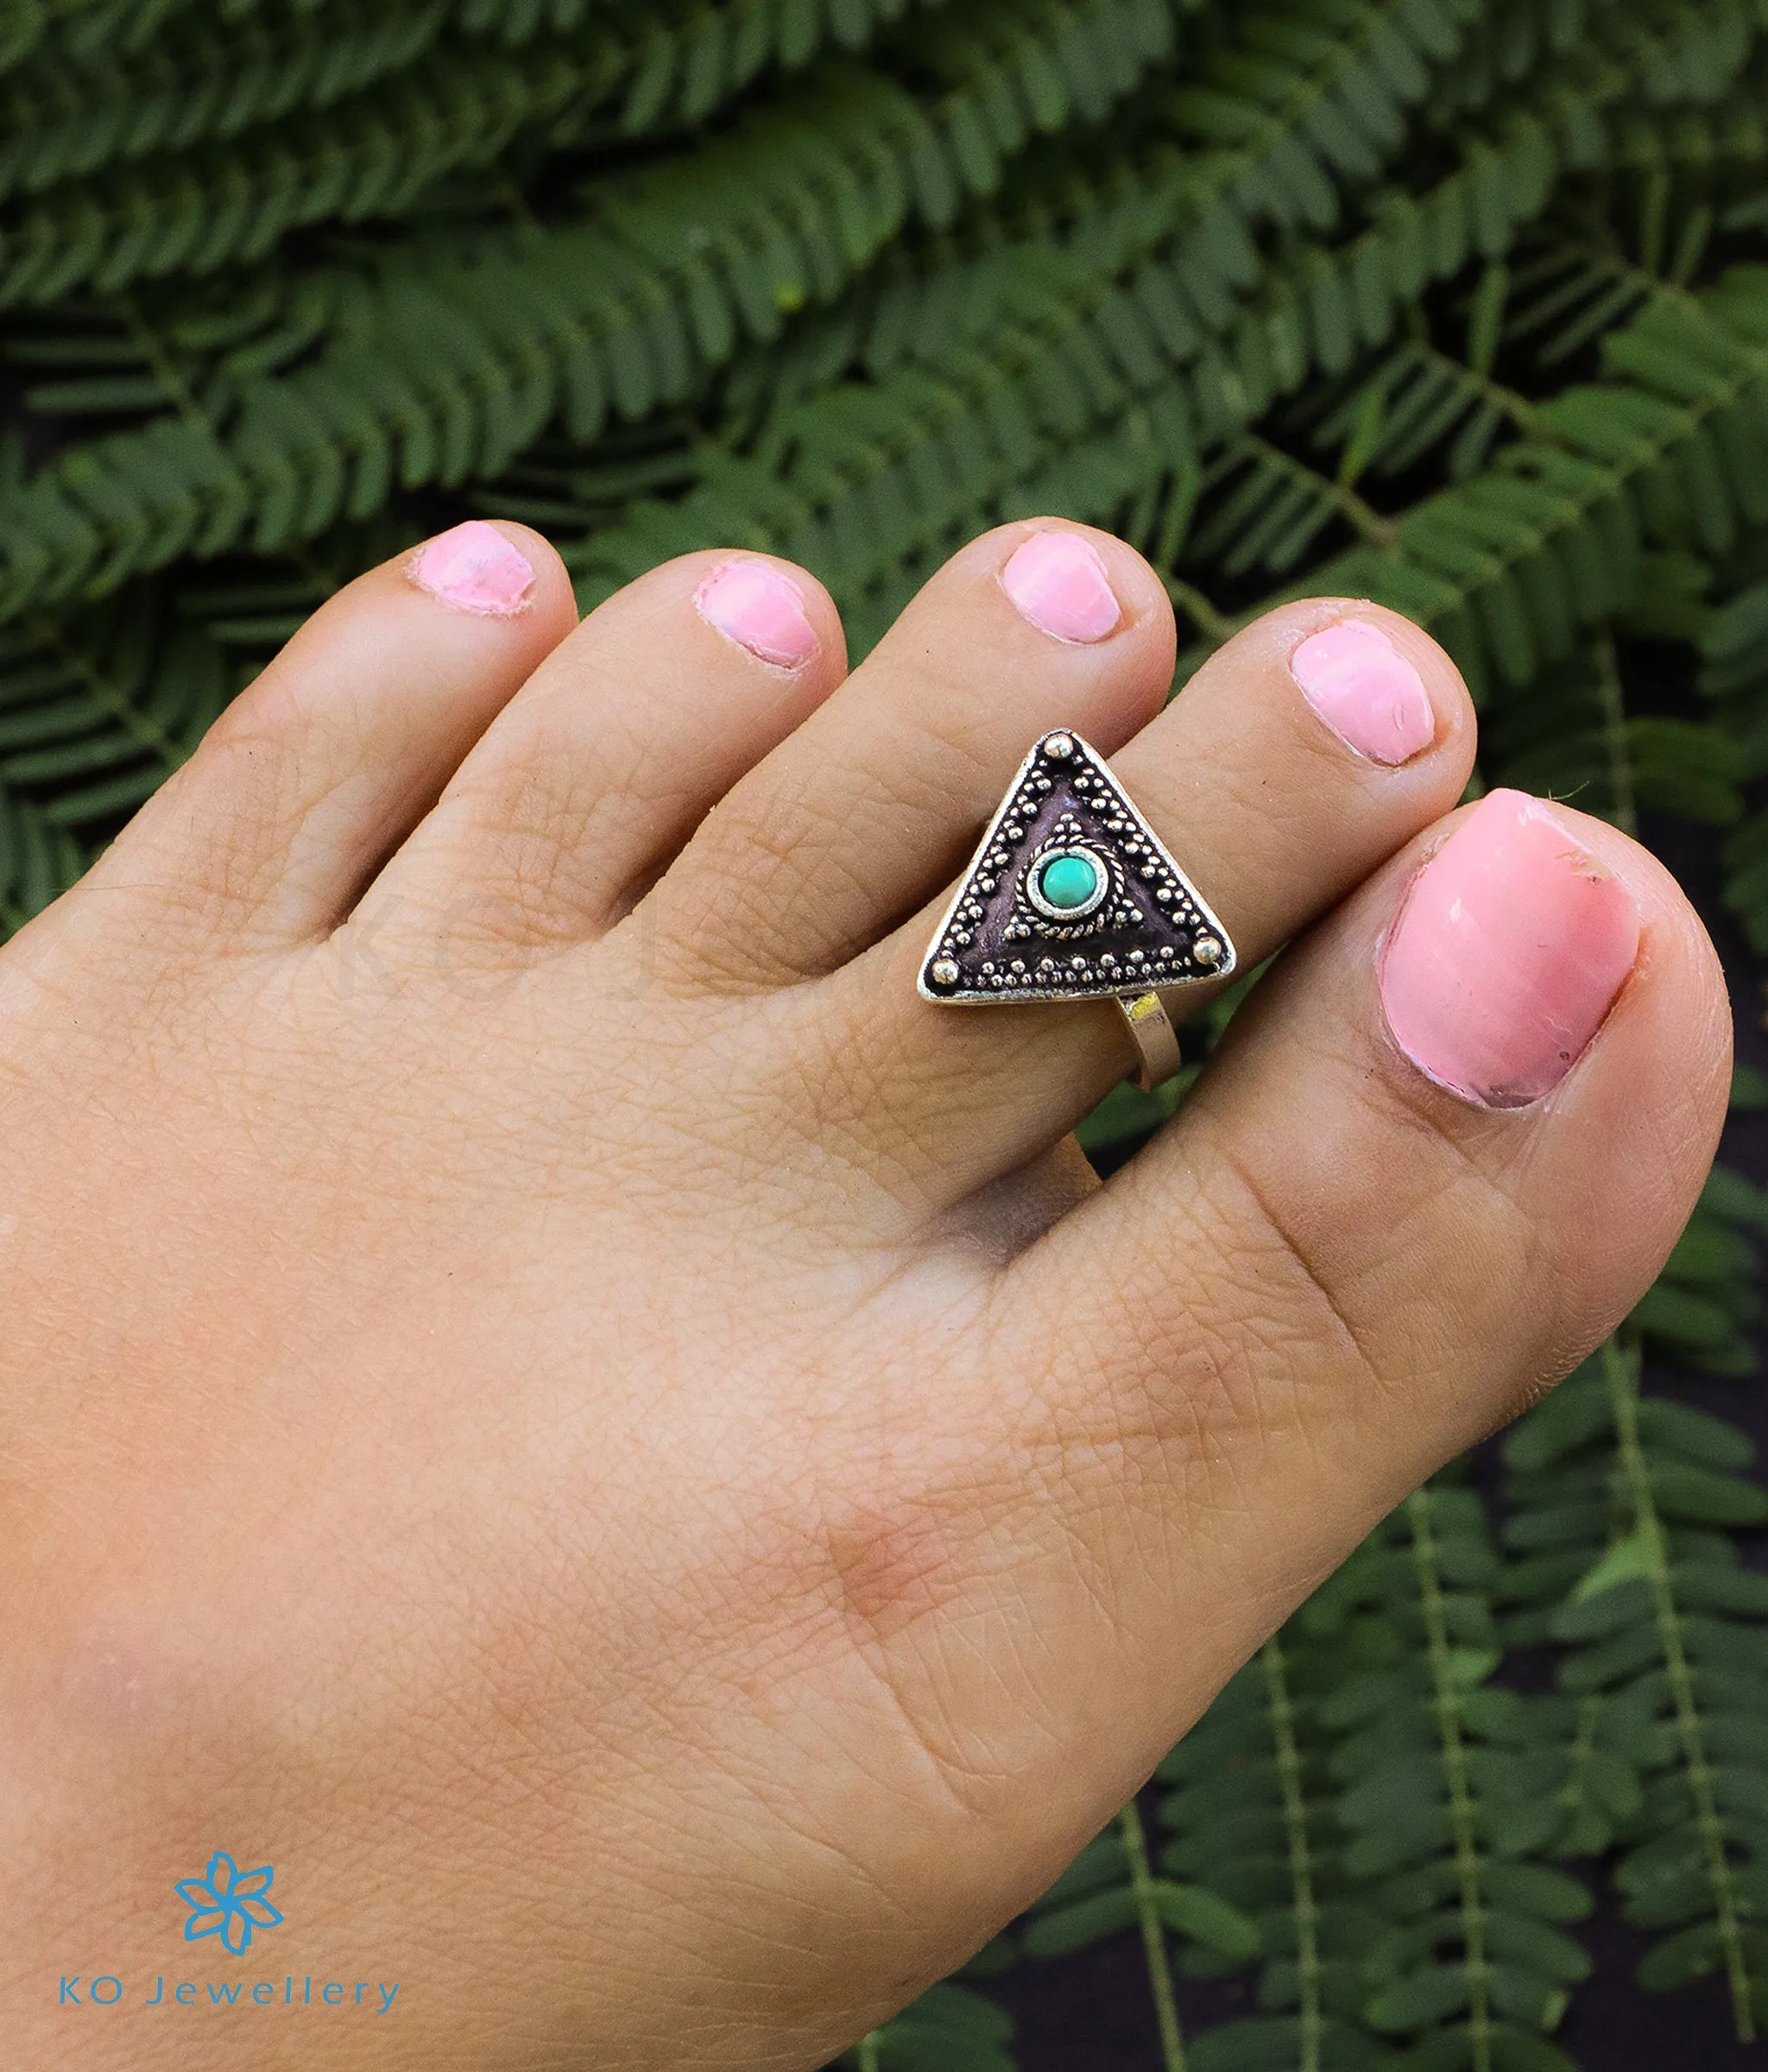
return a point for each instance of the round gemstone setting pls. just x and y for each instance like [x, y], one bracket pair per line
[1068, 885]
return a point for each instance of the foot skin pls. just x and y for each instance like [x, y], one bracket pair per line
[551, 1397]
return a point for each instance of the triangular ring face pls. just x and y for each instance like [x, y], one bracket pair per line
[1071, 896]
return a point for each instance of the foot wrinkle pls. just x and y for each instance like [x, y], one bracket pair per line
[1221, 1153]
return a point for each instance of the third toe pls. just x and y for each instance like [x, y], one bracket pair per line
[847, 826]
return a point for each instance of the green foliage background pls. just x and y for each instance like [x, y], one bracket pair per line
[1451, 303]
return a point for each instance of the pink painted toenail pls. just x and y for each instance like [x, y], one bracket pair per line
[1365, 691]
[1508, 953]
[1058, 582]
[753, 603]
[474, 568]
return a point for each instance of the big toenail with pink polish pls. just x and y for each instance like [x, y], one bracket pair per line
[474, 568]
[1508, 952]
[1365, 691]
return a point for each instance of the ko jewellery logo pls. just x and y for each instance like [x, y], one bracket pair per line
[230, 1903]
[227, 1901]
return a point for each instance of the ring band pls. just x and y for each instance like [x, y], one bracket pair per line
[1156, 1038]
[1071, 895]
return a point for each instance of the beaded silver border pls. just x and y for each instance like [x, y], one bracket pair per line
[1214, 951]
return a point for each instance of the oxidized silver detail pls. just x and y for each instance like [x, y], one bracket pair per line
[1146, 923]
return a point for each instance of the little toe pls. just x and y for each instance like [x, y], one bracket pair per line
[320, 769]
[591, 780]
[1298, 759]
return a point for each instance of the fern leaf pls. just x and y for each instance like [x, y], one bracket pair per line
[104, 712]
[623, 69]
[1109, 1889]
[1506, 567]
[451, 366]
[38, 861]
[1251, 1803]
[951, 2028]
[1734, 677]
[214, 83]
[372, 156]
[1449, 1795]
[1629, 1497]
[1039, 373]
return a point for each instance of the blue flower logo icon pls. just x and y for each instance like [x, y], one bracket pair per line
[227, 1901]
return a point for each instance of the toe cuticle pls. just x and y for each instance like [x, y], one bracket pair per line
[1365, 690]
[473, 568]
[761, 609]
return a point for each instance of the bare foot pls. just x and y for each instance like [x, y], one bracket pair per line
[552, 1399]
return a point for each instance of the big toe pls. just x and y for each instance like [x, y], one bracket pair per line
[1447, 1148]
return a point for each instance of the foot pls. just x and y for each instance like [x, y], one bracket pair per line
[553, 1400]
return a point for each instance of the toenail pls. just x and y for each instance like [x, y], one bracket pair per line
[1058, 580]
[1508, 954]
[1365, 691]
[753, 603]
[474, 568]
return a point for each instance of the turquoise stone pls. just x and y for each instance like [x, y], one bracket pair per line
[1068, 882]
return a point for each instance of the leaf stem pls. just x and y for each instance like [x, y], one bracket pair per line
[1135, 1848]
[1621, 1370]
[108, 694]
[1301, 1868]
[1574, 1793]
[1462, 1814]
[868, 2051]
[175, 386]
[1357, 511]
[1513, 405]
[182, 395]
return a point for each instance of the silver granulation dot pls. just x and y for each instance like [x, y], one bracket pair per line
[945, 972]
[1060, 747]
[1208, 950]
